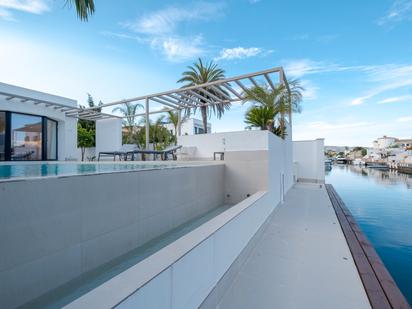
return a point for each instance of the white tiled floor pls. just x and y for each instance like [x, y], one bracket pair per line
[301, 261]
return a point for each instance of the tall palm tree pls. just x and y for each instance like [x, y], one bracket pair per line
[84, 8]
[128, 110]
[200, 73]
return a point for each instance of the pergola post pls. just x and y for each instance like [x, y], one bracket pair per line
[179, 122]
[147, 123]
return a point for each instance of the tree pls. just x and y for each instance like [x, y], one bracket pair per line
[173, 118]
[276, 102]
[200, 73]
[85, 139]
[84, 8]
[128, 110]
[89, 125]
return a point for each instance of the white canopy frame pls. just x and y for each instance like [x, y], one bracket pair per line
[217, 92]
[70, 111]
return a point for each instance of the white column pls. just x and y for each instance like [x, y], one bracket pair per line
[147, 123]
[179, 122]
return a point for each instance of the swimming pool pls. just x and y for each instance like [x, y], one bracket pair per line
[381, 202]
[25, 170]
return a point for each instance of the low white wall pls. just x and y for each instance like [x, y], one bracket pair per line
[54, 229]
[309, 161]
[207, 144]
[89, 153]
[182, 274]
[108, 135]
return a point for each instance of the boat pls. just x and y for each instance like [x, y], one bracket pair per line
[377, 165]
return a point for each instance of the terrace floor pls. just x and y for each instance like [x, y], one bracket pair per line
[300, 260]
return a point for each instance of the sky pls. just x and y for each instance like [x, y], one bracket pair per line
[353, 57]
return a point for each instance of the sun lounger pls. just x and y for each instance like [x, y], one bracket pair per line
[164, 154]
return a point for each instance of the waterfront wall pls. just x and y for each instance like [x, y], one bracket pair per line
[308, 160]
[54, 229]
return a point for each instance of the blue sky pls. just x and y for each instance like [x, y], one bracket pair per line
[353, 57]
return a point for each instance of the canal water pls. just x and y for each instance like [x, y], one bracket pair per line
[381, 202]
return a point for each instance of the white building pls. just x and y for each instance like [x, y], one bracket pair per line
[190, 126]
[37, 126]
[34, 125]
[384, 142]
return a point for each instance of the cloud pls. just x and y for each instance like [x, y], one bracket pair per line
[238, 53]
[28, 6]
[301, 67]
[160, 29]
[178, 49]
[404, 119]
[395, 99]
[167, 20]
[401, 10]
[311, 91]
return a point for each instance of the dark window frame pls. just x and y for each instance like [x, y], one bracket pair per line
[7, 139]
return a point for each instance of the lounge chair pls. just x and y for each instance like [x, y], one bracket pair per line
[164, 154]
[121, 154]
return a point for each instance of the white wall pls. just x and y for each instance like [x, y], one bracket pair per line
[108, 135]
[308, 157]
[67, 127]
[188, 126]
[182, 274]
[54, 229]
[206, 144]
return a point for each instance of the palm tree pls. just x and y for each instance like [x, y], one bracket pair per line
[277, 102]
[128, 110]
[173, 118]
[262, 117]
[84, 8]
[200, 73]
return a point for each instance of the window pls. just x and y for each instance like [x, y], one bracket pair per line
[2, 136]
[26, 137]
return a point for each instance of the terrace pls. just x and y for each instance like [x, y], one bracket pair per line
[246, 231]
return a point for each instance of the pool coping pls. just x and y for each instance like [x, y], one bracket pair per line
[381, 289]
[165, 166]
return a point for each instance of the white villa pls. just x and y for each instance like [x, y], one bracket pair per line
[242, 220]
[190, 126]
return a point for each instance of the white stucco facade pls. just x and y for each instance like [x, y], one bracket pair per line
[190, 126]
[66, 126]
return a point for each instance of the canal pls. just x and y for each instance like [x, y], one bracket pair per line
[381, 202]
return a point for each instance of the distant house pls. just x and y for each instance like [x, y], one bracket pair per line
[190, 126]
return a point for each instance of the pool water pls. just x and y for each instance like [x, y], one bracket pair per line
[83, 284]
[25, 170]
[381, 202]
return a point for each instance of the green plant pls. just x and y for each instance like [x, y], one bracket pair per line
[128, 111]
[85, 139]
[200, 73]
[89, 125]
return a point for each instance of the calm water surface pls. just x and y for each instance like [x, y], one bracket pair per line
[381, 202]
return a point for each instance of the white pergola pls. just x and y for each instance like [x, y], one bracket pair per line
[228, 90]
[70, 111]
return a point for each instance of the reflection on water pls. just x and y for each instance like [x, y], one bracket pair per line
[381, 202]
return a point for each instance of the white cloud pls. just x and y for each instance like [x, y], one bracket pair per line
[28, 6]
[178, 49]
[404, 119]
[311, 91]
[400, 10]
[167, 20]
[301, 67]
[238, 53]
[160, 29]
[395, 99]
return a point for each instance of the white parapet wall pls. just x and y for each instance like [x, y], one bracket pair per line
[309, 161]
[108, 135]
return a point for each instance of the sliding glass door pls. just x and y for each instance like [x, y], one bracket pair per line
[26, 137]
